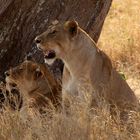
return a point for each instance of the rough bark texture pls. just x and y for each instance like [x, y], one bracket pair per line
[22, 20]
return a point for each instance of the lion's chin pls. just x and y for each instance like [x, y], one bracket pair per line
[49, 57]
[49, 61]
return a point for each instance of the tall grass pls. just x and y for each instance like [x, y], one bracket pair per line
[79, 124]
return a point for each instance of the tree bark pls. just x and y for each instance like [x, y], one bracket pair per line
[22, 20]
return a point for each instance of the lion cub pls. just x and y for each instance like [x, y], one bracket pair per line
[85, 64]
[36, 84]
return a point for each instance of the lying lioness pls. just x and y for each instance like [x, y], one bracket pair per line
[85, 63]
[36, 84]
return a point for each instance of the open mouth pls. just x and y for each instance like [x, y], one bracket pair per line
[50, 54]
[49, 57]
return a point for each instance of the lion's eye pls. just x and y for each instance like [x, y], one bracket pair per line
[53, 32]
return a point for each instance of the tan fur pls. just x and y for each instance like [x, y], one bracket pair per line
[83, 60]
[36, 84]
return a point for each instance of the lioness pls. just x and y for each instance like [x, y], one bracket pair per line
[36, 84]
[83, 60]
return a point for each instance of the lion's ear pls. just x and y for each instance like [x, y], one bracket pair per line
[38, 73]
[71, 27]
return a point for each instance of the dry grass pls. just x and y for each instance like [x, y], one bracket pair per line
[120, 36]
[120, 40]
[80, 124]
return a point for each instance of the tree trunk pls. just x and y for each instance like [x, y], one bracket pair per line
[22, 20]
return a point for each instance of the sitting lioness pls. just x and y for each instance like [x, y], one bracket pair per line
[36, 84]
[85, 63]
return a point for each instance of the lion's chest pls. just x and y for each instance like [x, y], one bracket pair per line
[70, 86]
[76, 87]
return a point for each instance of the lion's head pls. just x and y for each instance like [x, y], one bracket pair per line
[56, 41]
[34, 82]
[25, 75]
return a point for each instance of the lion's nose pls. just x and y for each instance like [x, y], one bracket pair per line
[7, 73]
[37, 40]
